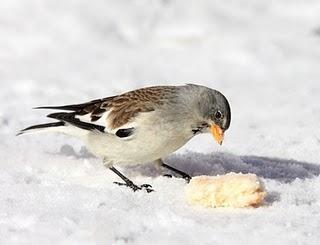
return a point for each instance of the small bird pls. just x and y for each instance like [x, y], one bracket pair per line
[143, 125]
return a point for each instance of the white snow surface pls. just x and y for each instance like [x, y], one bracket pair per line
[263, 55]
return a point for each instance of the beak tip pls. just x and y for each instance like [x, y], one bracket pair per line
[218, 133]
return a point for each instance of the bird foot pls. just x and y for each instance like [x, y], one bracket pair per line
[167, 175]
[186, 177]
[135, 188]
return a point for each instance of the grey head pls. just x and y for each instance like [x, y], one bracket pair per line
[213, 110]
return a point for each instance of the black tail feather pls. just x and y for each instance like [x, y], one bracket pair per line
[39, 126]
[70, 118]
[75, 107]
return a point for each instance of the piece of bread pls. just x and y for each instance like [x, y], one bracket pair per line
[230, 190]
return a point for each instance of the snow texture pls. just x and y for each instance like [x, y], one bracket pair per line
[263, 55]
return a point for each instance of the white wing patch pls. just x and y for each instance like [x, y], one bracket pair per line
[104, 122]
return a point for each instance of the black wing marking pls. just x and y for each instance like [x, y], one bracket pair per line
[70, 118]
[125, 132]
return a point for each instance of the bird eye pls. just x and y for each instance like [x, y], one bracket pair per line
[218, 115]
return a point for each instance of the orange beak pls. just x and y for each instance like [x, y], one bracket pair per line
[217, 133]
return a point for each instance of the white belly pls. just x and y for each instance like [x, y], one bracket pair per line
[149, 142]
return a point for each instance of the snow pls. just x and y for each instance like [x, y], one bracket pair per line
[263, 55]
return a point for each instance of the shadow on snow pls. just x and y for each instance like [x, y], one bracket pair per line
[283, 170]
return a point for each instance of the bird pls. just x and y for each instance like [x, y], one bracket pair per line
[143, 125]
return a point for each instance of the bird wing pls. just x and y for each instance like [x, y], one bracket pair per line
[113, 114]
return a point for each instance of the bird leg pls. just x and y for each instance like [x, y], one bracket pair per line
[183, 175]
[129, 183]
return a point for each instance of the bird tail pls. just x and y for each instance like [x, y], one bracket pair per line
[57, 127]
[54, 127]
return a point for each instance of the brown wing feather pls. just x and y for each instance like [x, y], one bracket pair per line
[124, 107]
[127, 106]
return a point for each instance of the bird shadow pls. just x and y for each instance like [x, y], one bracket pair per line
[282, 170]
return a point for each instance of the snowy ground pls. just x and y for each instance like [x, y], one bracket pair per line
[263, 55]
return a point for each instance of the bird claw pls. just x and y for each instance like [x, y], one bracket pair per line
[186, 177]
[146, 186]
[135, 188]
[168, 175]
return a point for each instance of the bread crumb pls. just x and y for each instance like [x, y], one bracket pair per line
[230, 190]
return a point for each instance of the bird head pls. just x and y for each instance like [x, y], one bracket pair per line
[215, 112]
